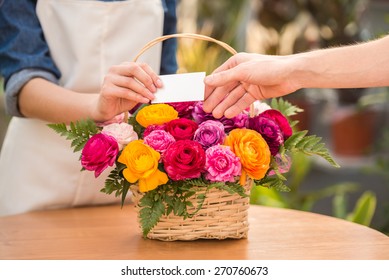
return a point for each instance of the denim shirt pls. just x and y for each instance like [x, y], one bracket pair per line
[24, 54]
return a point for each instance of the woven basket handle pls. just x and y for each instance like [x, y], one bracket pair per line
[184, 35]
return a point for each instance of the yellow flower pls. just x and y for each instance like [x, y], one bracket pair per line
[252, 149]
[142, 164]
[156, 114]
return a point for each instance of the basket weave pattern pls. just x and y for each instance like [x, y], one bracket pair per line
[223, 215]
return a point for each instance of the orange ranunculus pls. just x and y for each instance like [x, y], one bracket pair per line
[142, 164]
[252, 149]
[156, 114]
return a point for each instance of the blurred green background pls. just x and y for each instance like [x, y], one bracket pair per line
[359, 190]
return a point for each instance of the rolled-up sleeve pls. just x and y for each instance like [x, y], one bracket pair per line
[24, 53]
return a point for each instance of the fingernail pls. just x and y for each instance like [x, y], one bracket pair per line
[208, 79]
[159, 83]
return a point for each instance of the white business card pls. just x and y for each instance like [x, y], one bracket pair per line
[181, 88]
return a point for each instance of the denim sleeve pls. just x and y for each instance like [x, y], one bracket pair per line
[22, 46]
[169, 47]
[16, 82]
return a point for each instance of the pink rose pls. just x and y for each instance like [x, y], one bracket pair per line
[159, 140]
[184, 159]
[99, 152]
[210, 133]
[181, 129]
[153, 127]
[123, 133]
[221, 164]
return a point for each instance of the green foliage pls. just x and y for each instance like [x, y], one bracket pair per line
[273, 182]
[115, 183]
[285, 107]
[78, 132]
[309, 145]
[299, 142]
[150, 213]
[364, 209]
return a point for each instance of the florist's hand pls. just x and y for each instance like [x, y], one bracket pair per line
[243, 79]
[125, 86]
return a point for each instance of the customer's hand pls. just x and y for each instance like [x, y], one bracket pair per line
[244, 78]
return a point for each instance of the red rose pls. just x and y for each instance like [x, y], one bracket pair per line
[184, 159]
[181, 129]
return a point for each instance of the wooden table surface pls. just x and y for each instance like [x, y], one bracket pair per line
[109, 232]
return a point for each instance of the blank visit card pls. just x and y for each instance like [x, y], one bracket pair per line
[181, 88]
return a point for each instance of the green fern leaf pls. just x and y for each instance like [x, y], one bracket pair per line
[78, 132]
[285, 107]
[273, 182]
[309, 145]
[150, 213]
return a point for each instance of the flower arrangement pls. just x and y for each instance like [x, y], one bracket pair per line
[166, 151]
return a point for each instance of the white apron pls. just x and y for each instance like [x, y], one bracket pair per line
[38, 169]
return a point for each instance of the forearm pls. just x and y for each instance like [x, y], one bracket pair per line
[357, 66]
[44, 100]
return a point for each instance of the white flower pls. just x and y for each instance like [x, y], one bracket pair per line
[260, 107]
[123, 133]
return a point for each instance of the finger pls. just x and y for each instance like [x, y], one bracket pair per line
[216, 96]
[228, 101]
[222, 78]
[155, 78]
[139, 71]
[113, 90]
[242, 104]
[131, 84]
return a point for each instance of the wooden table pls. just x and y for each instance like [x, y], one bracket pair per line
[110, 232]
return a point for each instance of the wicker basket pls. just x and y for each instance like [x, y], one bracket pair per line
[223, 215]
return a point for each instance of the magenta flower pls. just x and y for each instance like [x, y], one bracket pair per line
[159, 140]
[281, 120]
[99, 152]
[239, 121]
[221, 164]
[184, 109]
[181, 129]
[200, 116]
[210, 133]
[184, 159]
[269, 130]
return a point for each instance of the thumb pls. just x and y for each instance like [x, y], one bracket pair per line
[221, 78]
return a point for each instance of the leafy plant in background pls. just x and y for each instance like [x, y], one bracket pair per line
[362, 212]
